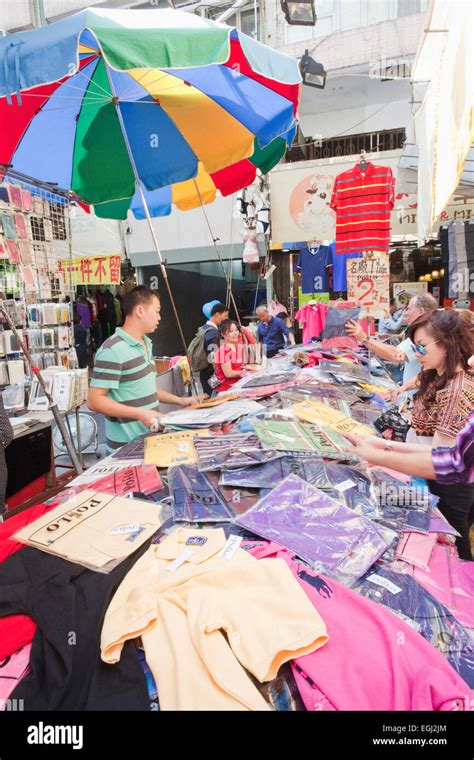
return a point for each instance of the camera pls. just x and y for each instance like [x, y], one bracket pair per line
[393, 420]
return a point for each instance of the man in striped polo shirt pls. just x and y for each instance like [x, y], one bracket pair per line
[123, 385]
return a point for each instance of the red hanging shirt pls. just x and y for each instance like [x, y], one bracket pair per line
[363, 201]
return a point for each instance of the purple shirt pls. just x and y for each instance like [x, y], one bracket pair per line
[456, 464]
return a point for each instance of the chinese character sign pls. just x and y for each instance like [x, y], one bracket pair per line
[368, 285]
[94, 270]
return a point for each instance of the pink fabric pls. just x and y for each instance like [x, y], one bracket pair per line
[416, 548]
[373, 660]
[174, 360]
[12, 670]
[394, 473]
[451, 580]
[313, 319]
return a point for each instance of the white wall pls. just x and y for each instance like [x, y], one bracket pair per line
[92, 236]
[352, 121]
[184, 235]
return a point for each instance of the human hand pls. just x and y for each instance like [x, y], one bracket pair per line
[395, 394]
[355, 330]
[192, 400]
[150, 418]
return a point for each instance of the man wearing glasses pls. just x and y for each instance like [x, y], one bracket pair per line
[420, 307]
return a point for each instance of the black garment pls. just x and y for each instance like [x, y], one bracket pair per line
[204, 376]
[443, 237]
[273, 352]
[80, 339]
[6, 437]
[469, 236]
[69, 602]
[210, 344]
[457, 504]
[110, 310]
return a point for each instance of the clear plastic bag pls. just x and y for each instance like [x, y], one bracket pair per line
[269, 475]
[328, 536]
[334, 334]
[195, 498]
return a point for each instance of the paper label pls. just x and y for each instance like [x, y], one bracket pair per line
[379, 581]
[130, 528]
[345, 485]
[231, 546]
[180, 560]
[282, 436]
[196, 541]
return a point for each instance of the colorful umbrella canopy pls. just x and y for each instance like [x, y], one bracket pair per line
[202, 105]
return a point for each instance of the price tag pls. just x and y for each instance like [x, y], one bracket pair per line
[379, 581]
[130, 528]
[180, 560]
[345, 485]
[231, 546]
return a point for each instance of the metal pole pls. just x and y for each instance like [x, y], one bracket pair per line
[214, 241]
[78, 433]
[116, 101]
[53, 406]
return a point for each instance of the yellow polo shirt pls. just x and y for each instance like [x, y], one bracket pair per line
[205, 621]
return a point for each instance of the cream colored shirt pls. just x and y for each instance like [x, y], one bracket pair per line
[205, 621]
[94, 529]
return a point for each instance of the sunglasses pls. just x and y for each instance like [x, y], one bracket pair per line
[422, 349]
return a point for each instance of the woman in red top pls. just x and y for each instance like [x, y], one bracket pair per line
[228, 359]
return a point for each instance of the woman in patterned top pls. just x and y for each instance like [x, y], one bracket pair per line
[444, 345]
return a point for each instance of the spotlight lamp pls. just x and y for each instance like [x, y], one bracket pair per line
[299, 14]
[313, 72]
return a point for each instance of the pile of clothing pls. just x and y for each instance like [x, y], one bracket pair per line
[254, 565]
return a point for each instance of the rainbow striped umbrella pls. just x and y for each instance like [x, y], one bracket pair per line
[143, 109]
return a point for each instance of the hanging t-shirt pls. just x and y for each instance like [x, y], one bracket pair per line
[363, 201]
[339, 268]
[313, 264]
[313, 319]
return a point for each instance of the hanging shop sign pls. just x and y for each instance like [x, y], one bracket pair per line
[368, 282]
[404, 291]
[301, 193]
[93, 270]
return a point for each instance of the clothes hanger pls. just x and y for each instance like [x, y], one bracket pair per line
[363, 165]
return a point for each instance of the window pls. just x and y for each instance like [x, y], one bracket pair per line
[350, 14]
[247, 22]
[243, 20]
[298, 33]
[410, 7]
[377, 11]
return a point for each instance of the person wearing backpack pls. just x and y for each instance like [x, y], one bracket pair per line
[203, 344]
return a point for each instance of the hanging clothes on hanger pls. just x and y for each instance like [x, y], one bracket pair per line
[339, 268]
[363, 199]
[313, 318]
[313, 263]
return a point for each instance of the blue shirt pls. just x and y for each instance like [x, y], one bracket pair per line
[272, 335]
[313, 264]
[339, 267]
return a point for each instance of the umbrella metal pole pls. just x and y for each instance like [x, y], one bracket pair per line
[227, 279]
[53, 406]
[116, 102]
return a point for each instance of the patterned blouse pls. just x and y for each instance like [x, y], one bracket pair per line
[456, 464]
[449, 411]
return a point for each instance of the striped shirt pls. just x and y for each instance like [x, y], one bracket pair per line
[456, 464]
[363, 202]
[125, 366]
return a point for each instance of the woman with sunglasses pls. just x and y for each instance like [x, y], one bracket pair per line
[444, 401]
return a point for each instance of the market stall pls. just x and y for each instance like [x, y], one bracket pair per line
[251, 509]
